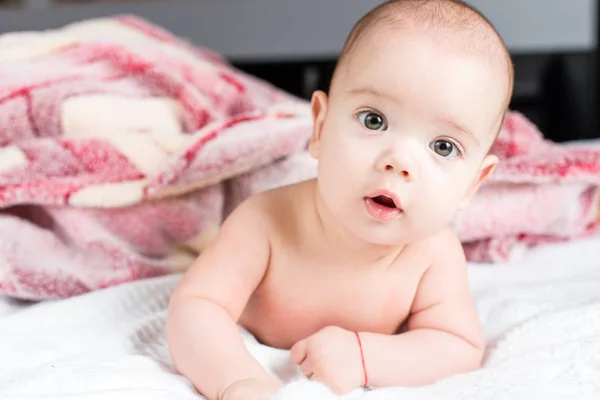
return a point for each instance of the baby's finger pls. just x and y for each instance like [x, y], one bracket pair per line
[306, 369]
[298, 352]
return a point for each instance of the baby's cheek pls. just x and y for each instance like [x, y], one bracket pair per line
[434, 210]
[348, 163]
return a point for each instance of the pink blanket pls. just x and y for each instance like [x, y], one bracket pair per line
[122, 148]
[541, 192]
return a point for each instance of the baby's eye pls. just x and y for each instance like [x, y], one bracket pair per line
[372, 121]
[445, 148]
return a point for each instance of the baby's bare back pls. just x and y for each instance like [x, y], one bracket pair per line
[308, 287]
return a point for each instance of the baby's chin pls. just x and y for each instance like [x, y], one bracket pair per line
[387, 236]
[395, 235]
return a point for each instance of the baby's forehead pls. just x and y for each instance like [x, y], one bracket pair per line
[453, 26]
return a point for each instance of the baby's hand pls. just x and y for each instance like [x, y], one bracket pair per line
[251, 389]
[331, 356]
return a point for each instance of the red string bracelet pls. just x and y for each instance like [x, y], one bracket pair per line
[362, 357]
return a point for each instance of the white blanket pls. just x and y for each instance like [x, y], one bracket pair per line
[541, 319]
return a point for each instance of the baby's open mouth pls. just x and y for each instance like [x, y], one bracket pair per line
[384, 201]
[383, 207]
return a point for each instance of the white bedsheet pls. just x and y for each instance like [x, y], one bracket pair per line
[541, 318]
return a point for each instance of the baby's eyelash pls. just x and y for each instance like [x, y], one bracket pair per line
[369, 110]
[458, 146]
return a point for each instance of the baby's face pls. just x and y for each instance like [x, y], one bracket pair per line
[409, 121]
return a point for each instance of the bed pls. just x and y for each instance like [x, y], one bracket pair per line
[540, 313]
[541, 317]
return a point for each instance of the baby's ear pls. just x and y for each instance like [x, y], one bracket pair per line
[487, 167]
[319, 109]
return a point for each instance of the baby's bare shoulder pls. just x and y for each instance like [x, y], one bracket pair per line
[263, 201]
[443, 301]
[445, 250]
[280, 206]
[446, 273]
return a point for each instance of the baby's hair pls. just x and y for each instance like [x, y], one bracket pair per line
[453, 22]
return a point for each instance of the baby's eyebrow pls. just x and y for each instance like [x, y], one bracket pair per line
[372, 92]
[459, 128]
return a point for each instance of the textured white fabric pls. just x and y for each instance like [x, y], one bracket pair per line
[541, 318]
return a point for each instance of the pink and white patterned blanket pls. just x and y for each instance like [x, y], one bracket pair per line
[541, 192]
[123, 147]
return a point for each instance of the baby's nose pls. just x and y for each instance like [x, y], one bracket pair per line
[398, 170]
[400, 162]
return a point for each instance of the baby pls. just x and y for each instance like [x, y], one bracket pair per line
[358, 271]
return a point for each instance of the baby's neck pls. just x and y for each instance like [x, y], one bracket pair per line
[350, 248]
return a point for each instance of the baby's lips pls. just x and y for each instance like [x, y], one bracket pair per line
[387, 193]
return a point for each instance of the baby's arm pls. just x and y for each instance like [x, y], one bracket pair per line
[443, 335]
[203, 336]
